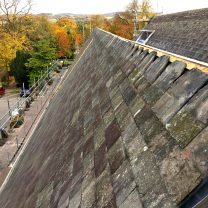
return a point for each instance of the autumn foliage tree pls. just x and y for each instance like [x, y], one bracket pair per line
[66, 31]
[8, 48]
[14, 17]
[42, 40]
[62, 41]
[123, 23]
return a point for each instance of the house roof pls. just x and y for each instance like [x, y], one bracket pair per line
[126, 129]
[183, 33]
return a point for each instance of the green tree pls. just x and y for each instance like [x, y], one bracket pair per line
[18, 68]
[44, 52]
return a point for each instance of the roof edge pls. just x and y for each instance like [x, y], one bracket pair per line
[191, 63]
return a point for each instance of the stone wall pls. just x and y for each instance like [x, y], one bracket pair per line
[183, 33]
[127, 129]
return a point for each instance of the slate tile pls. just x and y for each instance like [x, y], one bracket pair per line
[100, 160]
[179, 174]
[128, 68]
[163, 151]
[44, 196]
[77, 166]
[156, 68]
[146, 172]
[116, 155]
[123, 116]
[105, 106]
[75, 201]
[116, 99]
[88, 179]
[131, 131]
[108, 117]
[114, 91]
[88, 146]
[157, 197]
[133, 201]
[136, 106]
[111, 203]
[119, 77]
[99, 136]
[123, 182]
[128, 94]
[88, 132]
[141, 85]
[104, 189]
[184, 128]
[148, 124]
[169, 75]
[186, 86]
[88, 196]
[110, 83]
[88, 163]
[135, 148]
[64, 200]
[112, 133]
[95, 101]
[142, 66]
[197, 150]
[152, 95]
[76, 185]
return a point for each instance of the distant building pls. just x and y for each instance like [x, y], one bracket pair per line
[183, 33]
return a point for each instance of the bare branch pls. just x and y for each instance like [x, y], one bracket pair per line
[12, 13]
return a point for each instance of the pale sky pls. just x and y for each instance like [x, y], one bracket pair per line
[107, 6]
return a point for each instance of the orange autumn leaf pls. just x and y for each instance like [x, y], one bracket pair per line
[63, 43]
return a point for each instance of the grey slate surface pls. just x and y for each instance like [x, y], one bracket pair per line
[109, 139]
[183, 33]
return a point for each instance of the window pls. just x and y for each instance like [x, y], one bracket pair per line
[144, 36]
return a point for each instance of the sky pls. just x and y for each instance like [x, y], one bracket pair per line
[108, 6]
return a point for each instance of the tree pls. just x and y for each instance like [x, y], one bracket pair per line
[63, 44]
[67, 36]
[133, 7]
[62, 39]
[42, 28]
[78, 39]
[145, 13]
[122, 25]
[44, 52]
[19, 69]
[13, 15]
[14, 24]
[8, 48]
[99, 21]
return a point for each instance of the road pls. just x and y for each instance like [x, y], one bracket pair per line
[15, 100]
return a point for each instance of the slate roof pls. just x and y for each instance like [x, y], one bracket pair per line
[183, 33]
[127, 129]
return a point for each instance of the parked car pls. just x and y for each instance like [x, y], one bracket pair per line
[25, 92]
[2, 91]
